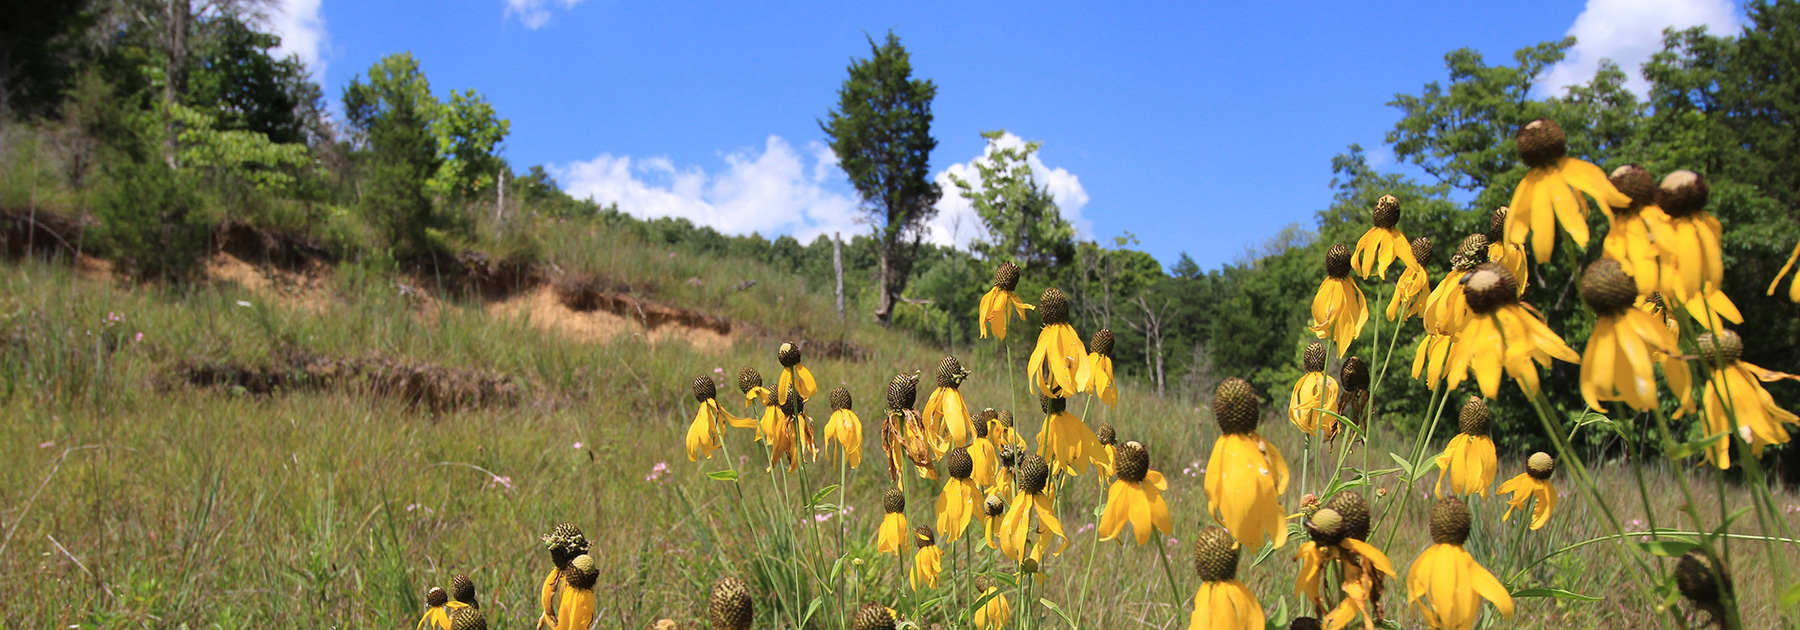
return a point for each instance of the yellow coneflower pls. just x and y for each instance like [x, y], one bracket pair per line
[1552, 190]
[1414, 282]
[1510, 255]
[1136, 497]
[981, 450]
[1445, 581]
[993, 513]
[999, 304]
[844, 427]
[928, 563]
[996, 612]
[1691, 272]
[731, 607]
[564, 542]
[891, 536]
[577, 609]
[1534, 482]
[1730, 378]
[1314, 394]
[1246, 475]
[1008, 473]
[903, 432]
[1383, 242]
[1068, 441]
[1001, 430]
[1630, 240]
[1704, 579]
[1108, 437]
[1469, 459]
[1338, 309]
[1057, 364]
[467, 618]
[1619, 361]
[1099, 373]
[703, 435]
[1032, 498]
[1675, 369]
[873, 616]
[1793, 287]
[437, 615]
[1360, 563]
[462, 593]
[1353, 396]
[794, 376]
[946, 413]
[1222, 602]
[750, 382]
[1446, 310]
[1502, 334]
[959, 501]
[792, 436]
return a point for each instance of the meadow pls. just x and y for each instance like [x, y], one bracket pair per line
[314, 447]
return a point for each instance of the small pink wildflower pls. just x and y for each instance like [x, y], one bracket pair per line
[656, 472]
[576, 446]
[139, 338]
[501, 481]
[47, 444]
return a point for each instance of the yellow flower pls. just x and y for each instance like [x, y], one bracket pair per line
[1501, 334]
[1379, 246]
[1414, 282]
[1136, 497]
[946, 413]
[576, 612]
[844, 427]
[957, 505]
[1619, 361]
[1758, 420]
[1032, 499]
[1001, 430]
[993, 514]
[1445, 582]
[792, 434]
[1314, 394]
[709, 422]
[1691, 272]
[436, 616]
[1098, 377]
[1469, 458]
[1222, 602]
[1534, 482]
[929, 562]
[994, 614]
[1552, 190]
[1793, 287]
[750, 382]
[999, 304]
[1068, 441]
[1360, 565]
[1056, 363]
[891, 536]
[1675, 369]
[1109, 441]
[1246, 474]
[1630, 239]
[1338, 309]
[794, 377]
[982, 452]
[564, 542]
[903, 432]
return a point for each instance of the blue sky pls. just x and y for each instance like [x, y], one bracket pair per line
[1198, 128]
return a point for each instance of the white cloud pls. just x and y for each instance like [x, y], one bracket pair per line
[302, 32]
[774, 191]
[956, 222]
[1628, 32]
[784, 190]
[534, 14]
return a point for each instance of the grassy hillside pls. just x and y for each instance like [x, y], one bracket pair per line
[314, 446]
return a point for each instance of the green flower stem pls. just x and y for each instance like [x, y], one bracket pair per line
[1162, 556]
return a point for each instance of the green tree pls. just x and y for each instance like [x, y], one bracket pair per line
[391, 115]
[468, 134]
[1023, 222]
[881, 133]
[38, 51]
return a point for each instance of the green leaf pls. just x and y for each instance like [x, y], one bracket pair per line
[722, 475]
[982, 601]
[1059, 612]
[1667, 548]
[1269, 549]
[1791, 596]
[811, 609]
[1554, 593]
[1690, 449]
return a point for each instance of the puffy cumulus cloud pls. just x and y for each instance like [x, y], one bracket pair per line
[534, 14]
[956, 222]
[775, 191]
[1628, 32]
[302, 32]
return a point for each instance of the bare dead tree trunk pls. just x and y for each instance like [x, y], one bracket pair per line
[837, 266]
[1153, 327]
[175, 71]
